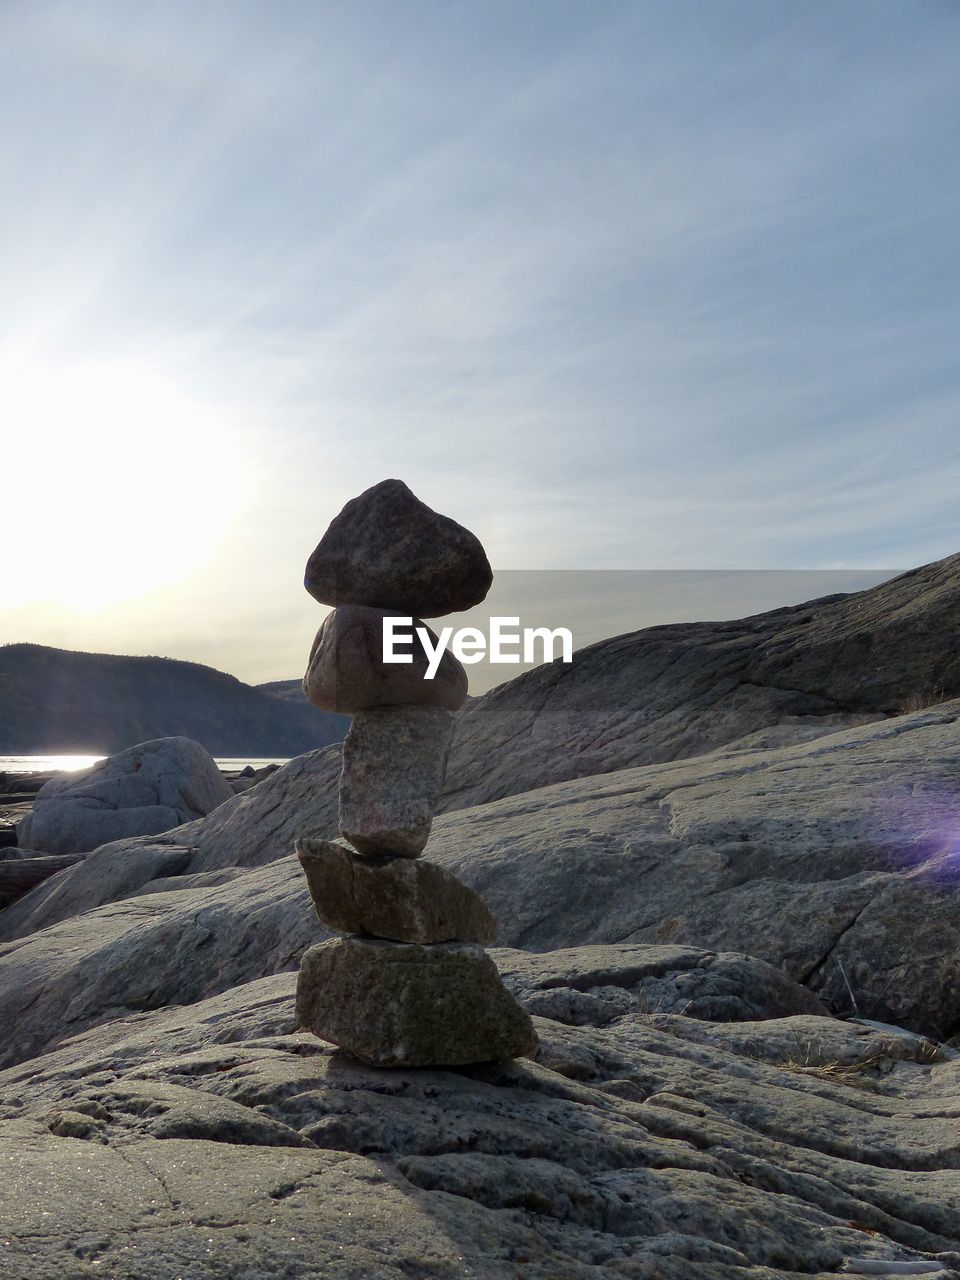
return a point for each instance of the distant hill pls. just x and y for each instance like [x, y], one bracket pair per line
[288, 691]
[59, 701]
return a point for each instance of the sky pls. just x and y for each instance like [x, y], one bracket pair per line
[666, 284]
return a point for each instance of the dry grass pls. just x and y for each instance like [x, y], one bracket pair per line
[854, 1074]
[921, 701]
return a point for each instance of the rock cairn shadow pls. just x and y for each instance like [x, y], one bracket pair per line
[408, 984]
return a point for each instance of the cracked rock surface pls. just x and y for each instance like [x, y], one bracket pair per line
[833, 859]
[215, 1141]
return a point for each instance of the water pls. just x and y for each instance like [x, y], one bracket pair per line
[71, 763]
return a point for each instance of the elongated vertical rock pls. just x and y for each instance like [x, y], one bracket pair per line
[394, 759]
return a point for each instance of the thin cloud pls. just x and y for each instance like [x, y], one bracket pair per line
[617, 285]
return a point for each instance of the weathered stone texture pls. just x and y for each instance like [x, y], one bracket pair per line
[403, 899]
[394, 760]
[394, 1004]
[144, 790]
[346, 671]
[388, 549]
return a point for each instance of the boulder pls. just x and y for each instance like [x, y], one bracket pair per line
[146, 789]
[346, 670]
[673, 692]
[404, 899]
[394, 760]
[247, 831]
[388, 549]
[394, 1004]
[214, 1140]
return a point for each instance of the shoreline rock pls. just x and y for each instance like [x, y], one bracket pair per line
[147, 789]
[670, 1146]
[23, 869]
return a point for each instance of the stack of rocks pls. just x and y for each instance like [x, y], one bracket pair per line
[410, 984]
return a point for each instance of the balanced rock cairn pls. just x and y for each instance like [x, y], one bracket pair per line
[410, 984]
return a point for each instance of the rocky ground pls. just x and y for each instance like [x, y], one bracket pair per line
[21, 869]
[743, 964]
[671, 692]
[834, 859]
[214, 1140]
[17, 794]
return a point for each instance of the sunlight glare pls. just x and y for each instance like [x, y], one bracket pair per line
[118, 483]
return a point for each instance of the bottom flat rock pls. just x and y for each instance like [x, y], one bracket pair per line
[393, 1004]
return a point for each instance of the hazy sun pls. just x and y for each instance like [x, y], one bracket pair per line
[116, 483]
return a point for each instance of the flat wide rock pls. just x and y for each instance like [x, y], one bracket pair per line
[210, 1140]
[347, 672]
[394, 760]
[387, 548]
[395, 1004]
[402, 899]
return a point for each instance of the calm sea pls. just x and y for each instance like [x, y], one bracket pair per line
[47, 764]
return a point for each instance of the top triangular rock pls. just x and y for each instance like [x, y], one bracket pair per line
[389, 549]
